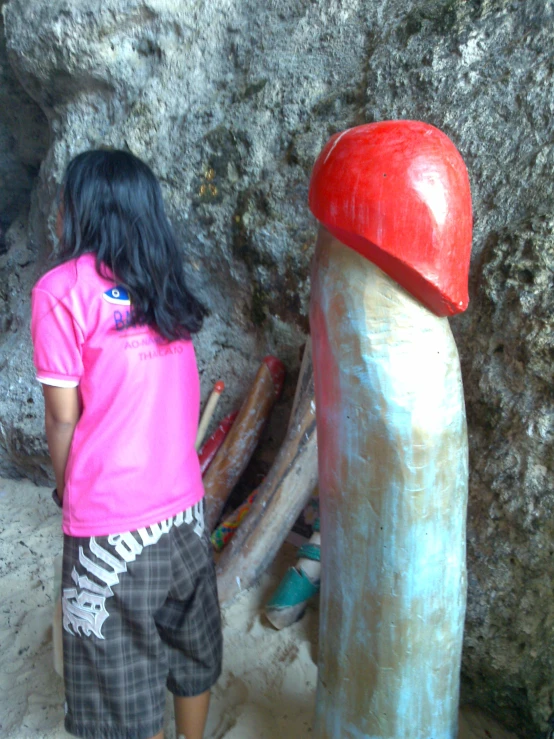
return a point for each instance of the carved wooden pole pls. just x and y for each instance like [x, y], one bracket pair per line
[393, 198]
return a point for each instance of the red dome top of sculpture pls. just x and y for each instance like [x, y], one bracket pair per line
[398, 193]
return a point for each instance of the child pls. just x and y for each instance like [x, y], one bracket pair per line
[111, 328]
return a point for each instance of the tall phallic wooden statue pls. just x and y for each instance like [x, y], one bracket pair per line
[391, 264]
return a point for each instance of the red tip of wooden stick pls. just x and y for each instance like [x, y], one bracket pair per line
[277, 370]
[219, 387]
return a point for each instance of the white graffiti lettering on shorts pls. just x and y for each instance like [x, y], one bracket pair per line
[83, 612]
[84, 606]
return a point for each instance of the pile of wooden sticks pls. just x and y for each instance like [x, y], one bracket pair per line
[269, 513]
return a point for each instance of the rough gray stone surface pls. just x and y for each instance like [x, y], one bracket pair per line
[509, 379]
[230, 102]
[23, 142]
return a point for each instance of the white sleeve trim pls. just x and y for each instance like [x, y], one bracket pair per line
[57, 383]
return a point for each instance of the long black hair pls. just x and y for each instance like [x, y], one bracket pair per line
[112, 206]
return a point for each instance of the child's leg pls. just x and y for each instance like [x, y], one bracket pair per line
[191, 714]
[115, 664]
[189, 623]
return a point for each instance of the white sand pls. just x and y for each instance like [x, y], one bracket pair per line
[267, 687]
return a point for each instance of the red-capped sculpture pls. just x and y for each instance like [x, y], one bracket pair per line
[398, 193]
[391, 261]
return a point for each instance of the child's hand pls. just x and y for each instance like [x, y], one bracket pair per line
[58, 500]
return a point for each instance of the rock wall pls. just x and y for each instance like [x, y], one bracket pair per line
[230, 102]
[23, 143]
[24, 137]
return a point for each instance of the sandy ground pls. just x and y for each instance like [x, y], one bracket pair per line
[268, 683]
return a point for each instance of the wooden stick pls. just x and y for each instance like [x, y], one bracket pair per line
[227, 529]
[304, 378]
[223, 534]
[209, 411]
[235, 452]
[285, 491]
[211, 446]
[303, 579]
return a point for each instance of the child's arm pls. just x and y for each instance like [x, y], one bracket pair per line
[62, 412]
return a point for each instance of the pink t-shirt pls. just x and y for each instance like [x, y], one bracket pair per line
[132, 461]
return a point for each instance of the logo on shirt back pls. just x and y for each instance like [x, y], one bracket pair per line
[117, 295]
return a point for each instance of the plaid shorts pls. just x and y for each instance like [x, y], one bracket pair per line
[140, 612]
